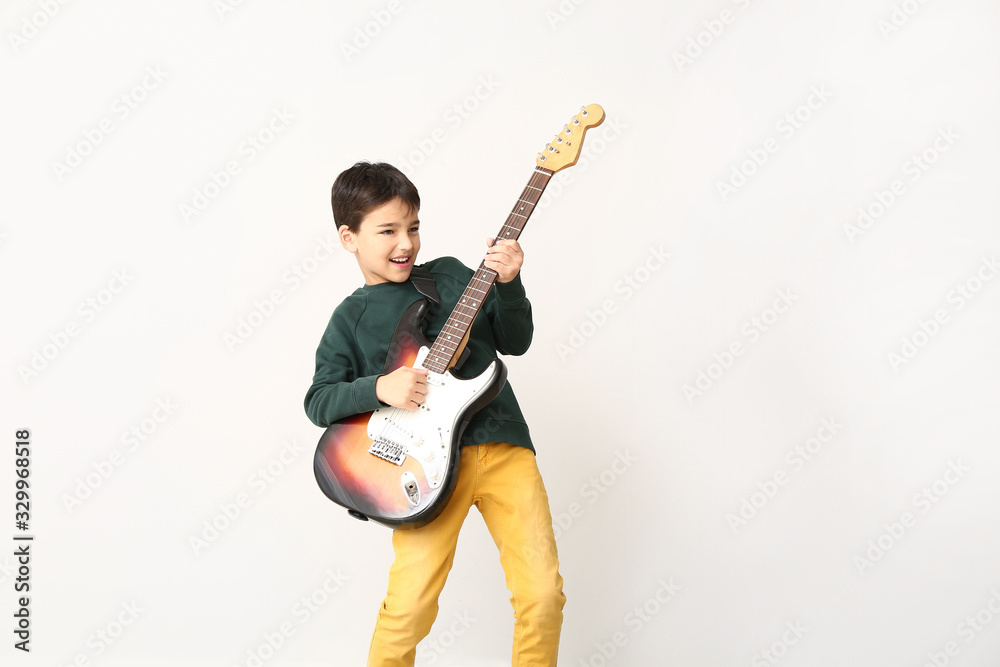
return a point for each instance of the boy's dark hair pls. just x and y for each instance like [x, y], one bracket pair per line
[366, 186]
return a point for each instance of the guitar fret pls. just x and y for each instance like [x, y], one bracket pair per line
[442, 352]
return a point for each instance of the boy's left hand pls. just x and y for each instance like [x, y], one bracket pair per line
[505, 258]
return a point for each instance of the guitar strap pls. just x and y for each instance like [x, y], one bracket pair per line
[423, 280]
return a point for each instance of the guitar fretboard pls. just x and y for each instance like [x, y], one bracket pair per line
[446, 344]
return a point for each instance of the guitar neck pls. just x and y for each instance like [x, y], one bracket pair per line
[449, 342]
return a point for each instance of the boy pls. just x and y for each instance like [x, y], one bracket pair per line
[375, 208]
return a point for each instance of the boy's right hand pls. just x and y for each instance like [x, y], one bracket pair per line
[404, 388]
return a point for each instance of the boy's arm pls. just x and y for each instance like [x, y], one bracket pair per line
[507, 305]
[337, 390]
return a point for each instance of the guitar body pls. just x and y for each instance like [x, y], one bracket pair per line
[394, 466]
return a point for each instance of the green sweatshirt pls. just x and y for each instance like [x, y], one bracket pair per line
[353, 350]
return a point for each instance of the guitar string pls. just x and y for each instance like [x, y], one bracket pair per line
[537, 178]
[463, 314]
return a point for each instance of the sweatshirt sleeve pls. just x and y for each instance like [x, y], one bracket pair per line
[338, 390]
[510, 316]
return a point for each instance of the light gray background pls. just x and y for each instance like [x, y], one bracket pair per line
[648, 180]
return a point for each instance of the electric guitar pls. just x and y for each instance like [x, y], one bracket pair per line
[395, 466]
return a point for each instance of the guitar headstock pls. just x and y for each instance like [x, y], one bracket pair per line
[564, 150]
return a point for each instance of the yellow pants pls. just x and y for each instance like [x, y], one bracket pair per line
[503, 482]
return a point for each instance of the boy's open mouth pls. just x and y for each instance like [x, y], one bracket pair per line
[400, 261]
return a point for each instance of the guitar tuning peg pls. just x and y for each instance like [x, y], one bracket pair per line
[583, 110]
[576, 121]
[541, 157]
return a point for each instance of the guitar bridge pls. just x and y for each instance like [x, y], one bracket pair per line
[388, 450]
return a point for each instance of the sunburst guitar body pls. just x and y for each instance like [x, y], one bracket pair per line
[396, 466]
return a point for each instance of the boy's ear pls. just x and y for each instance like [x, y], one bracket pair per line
[347, 239]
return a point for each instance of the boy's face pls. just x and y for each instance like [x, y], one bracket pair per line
[386, 243]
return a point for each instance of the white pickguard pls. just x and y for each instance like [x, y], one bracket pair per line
[425, 433]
